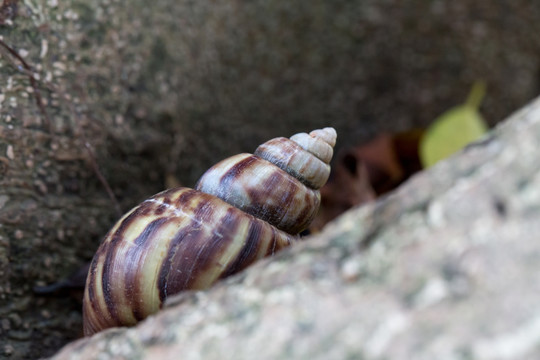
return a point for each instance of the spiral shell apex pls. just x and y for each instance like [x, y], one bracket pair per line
[242, 209]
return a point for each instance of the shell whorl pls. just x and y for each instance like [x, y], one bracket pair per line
[178, 239]
[281, 171]
[243, 209]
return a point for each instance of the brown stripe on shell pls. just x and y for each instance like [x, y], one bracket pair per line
[308, 211]
[160, 209]
[167, 265]
[107, 276]
[207, 258]
[287, 213]
[91, 305]
[234, 172]
[165, 195]
[259, 206]
[200, 245]
[96, 316]
[249, 251]
[90, 290]
[273, 246]
[166, 284]
[295, 160]
[278, 241]
[181, 199]
[143, 209]
[91, 279]
[132, 276]
[279, 152]
[287, 148]
[278, 183]
[193, 250]
[149, 231]
[107, 279]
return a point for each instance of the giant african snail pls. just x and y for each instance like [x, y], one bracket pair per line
[242, 209]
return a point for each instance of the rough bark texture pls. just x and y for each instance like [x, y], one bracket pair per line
[162, 89]
[444, 268]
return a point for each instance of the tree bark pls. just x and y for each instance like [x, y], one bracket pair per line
[149, 94]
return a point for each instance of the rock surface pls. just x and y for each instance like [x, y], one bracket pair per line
[161, 90]
[446, 267]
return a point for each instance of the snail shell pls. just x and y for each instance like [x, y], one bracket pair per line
[242, 209]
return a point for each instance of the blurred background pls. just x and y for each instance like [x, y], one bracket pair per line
[243, 72]
[162, 90]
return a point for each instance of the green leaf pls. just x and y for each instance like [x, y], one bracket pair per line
[454, 129]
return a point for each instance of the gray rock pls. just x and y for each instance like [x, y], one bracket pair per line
[161, 90]
[446, 267]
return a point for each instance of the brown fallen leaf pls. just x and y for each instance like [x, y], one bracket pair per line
[364, 172]
[348, 186]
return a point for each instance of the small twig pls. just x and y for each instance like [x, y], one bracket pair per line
[33, 83]
[100, 176]
[92, 156]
